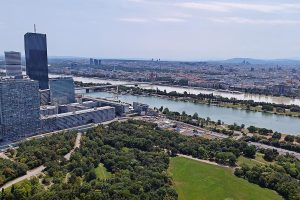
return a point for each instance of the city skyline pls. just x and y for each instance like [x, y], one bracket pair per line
[169, 30]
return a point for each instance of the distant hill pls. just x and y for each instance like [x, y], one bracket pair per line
[259, 61]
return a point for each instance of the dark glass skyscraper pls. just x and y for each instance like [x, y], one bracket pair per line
[36, 58]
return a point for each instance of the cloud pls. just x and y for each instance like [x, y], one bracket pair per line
[229, 6]
[146, 20]
[241, 20]
[133, 20]
[202, 6]
[170, 19]
[136, 1]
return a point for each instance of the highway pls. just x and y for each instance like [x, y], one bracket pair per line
[280, 151]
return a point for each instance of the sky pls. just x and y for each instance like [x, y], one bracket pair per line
[165, 29]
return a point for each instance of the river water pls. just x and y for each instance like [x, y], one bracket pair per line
[280, 123]
[239, 96]
[283, 124]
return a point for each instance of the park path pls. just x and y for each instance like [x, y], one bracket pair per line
[77, 145]
[31, 173]
[200, 160]
[37, 171]
[2, 155]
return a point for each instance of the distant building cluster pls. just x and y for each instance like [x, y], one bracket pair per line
[32, 104]
[244, 76]
[94, 61]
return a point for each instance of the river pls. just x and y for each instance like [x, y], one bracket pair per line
[239, 96]
[280, 123]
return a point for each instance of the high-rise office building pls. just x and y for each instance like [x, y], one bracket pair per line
[19, 108]
[13, 63]
[91, 61]
[36, 58]
[95, 61]
[62, 90]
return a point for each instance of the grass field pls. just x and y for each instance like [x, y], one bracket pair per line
[199, 181]
[101, 172]
[259, 160]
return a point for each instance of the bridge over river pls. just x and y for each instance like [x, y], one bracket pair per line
[94, 88]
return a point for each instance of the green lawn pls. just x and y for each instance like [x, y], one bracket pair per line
[101, 172]
[199, 181]
[259, 160]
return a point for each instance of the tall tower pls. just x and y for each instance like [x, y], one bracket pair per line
[36, 58]
[13, 63]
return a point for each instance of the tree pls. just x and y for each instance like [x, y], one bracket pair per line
[166, 111]
[231, 159]
[270, 154]
[295, 109]
[202, 153]
[161, 109]
[289, 138]
[276, 135]
[2, 180]
[267, 108]
[252, 129]
[195, 116]
[91, 175]
[250, 151]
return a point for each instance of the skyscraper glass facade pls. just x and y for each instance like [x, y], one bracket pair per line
[36, 58]
[13, 63]
[62, 90]
[19, 108]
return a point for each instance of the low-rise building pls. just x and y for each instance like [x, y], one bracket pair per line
[77, 118]
[140, 108]
[120, 108]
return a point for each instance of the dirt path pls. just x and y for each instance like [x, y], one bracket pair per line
[2, 155]
[31, 173]
[37, 171]
[77, 145]
[204, 161]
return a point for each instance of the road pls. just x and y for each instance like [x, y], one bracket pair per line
[76, 145]
[31, 173]
[280, 151]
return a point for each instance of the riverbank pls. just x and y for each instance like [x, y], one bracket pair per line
[193, 90]
[280, 123]
[277, 109]
[209, 99]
